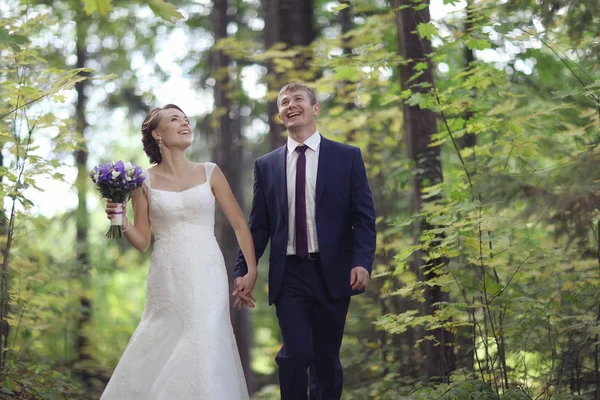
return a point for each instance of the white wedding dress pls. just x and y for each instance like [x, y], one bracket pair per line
[184, 347]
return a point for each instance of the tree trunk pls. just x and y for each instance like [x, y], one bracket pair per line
[419, 126]
[347, 87]
[469, 140]
[227, 153]
[289, 22]
[81, 183]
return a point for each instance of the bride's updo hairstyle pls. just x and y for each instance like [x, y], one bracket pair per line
[150, 124]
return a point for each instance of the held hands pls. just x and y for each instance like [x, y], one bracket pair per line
[359, 278]
[243, 287]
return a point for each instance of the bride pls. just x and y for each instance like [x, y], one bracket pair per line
[183, 347]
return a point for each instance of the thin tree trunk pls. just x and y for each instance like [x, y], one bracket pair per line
[227, 153]
[289, 22]
[4, 287]
[419, 126]
[597, 338]
[81, 183]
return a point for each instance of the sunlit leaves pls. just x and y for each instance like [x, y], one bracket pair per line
[161, 8]
[13, 40]
[341, 6]
[427, 31]
[101, 6]
[477, 44]
[165, 10]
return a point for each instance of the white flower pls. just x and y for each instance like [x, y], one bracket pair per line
[128, 165]
[115, 174]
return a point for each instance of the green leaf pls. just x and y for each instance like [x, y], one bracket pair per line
[166, 11]
[347, 73]
[421, 66]
[504, 108]
[594, 85]
[427, 31]
[14, 41]
[341, 7]
[477, 44]
[456, 124]
[504, 28]
[407, 252]
[102, 6]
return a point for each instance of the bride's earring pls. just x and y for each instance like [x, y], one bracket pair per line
[160, 145]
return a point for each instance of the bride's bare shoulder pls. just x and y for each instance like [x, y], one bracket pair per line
[152, 170]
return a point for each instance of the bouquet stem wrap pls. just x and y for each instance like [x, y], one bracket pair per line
[116, 224]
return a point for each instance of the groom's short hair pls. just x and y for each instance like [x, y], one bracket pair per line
[295, 87]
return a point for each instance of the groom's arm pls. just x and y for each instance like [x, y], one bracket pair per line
[259, 225]
[363, 215]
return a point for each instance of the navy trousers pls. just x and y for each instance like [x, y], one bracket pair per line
[312, 327]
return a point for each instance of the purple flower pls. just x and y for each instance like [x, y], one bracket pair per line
[103, 173]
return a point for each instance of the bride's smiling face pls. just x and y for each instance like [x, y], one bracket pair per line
[173, 129]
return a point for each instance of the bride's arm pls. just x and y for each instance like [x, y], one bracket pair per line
[137, 233]
[230, 207]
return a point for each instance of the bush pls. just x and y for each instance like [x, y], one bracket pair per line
[36, 382]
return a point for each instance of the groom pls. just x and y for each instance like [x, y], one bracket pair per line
[312, 200]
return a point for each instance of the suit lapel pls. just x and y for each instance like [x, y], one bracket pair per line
[324, 157]
[281, 179]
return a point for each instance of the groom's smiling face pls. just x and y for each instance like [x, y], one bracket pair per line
[296, 110]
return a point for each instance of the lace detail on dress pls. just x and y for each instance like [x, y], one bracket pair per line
[184, 347]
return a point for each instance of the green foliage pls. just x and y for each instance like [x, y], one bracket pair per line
[166, 11]
[427, 31]
[163, 9]
[516, 216]
[102, 6]
[516, 212]
[32, 381]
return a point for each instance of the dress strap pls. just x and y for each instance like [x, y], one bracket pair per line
[208, 169]
[147, 176]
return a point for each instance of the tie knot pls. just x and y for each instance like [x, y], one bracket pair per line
[301, 149]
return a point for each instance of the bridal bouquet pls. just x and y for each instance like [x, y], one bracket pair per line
[116, 181]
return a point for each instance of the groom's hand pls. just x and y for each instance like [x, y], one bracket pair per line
[359, 278]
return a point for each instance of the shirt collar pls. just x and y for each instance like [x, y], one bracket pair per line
[312, 142]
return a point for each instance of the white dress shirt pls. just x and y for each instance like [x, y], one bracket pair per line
[312, 165]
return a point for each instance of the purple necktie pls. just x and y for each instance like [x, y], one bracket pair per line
[301, 231]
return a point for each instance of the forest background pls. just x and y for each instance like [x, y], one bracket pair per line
[479, 124]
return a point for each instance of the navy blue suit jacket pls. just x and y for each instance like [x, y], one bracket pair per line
[345, 216]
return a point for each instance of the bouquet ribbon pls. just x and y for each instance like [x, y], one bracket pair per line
[118, 219]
